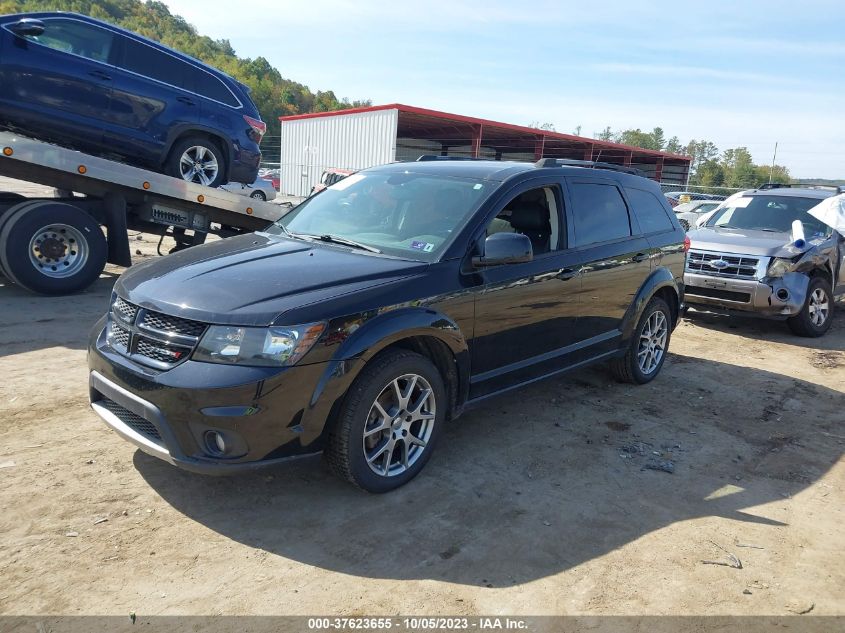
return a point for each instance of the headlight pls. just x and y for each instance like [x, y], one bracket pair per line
[264, 347]
[778, 267]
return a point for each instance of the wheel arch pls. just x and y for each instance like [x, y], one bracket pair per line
[426, 332]
[213, 135]
[660, 283]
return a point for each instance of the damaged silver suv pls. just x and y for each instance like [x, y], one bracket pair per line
[761, 253]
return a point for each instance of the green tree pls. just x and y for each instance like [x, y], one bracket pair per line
[673, 146]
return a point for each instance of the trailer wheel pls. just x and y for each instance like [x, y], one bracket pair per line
[4, 217]
[52, 248]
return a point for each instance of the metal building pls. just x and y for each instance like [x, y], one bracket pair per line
[358, 138]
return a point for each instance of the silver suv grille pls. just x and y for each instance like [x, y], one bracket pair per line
[722, 264]
[151, 338]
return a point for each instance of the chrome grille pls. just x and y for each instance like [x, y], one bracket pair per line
[120, 336]
[161, 352]
[152, 338]
[132, 420]
[124, 310]
[722, 264]
[166, 323]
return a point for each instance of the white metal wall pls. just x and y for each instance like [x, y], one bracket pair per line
[345, 141]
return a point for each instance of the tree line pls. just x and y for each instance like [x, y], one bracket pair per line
[274, 95]
[710, 167]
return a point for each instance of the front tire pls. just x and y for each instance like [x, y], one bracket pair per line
[389, 423]
[817, 312]
[197, 159]
[649, 344]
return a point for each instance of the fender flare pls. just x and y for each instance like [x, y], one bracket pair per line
[374, 336]
[658, 279]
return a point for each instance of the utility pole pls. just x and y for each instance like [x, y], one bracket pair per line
[772, 168]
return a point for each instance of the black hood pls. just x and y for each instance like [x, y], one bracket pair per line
[254, 279]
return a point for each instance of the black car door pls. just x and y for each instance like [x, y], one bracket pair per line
[616, 259]
[525, 314]
[58, 85]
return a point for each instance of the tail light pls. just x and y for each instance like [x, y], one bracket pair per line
[686, 243]
[258, 126]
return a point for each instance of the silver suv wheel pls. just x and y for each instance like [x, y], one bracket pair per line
[399, 425]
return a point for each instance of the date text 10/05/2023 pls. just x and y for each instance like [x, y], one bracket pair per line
[422, 623]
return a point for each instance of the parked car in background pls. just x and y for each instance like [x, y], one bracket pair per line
[678, 197]
[747, 259]
[78, 82]
[688, 213]
[373, 313]
[330, 177]
[259, 190]
[273, 176]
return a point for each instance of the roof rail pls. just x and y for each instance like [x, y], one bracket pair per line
[431, 157]
[591, 164]
[798, 185]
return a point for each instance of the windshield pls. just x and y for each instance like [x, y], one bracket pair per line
[769, 213]
[402, 214]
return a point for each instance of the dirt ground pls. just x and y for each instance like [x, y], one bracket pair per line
[538, 502]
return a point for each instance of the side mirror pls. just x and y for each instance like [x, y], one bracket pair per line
[505, 248]
[27, 27]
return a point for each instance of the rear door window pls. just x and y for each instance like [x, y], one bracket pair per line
[649, 211]
[77, 38]
[148, 61]
[599, 213]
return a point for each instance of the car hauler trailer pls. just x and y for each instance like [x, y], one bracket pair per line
[57, 246]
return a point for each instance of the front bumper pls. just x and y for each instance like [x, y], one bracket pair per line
[779, 297]
[265, 415]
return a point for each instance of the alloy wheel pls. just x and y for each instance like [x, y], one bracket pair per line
[652, 342]
[819, 307]
[399, 425]
[198, 164]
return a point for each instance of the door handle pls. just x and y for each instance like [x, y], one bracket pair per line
[567, 273]
[99, 74]
[640, 257]
[185, 100]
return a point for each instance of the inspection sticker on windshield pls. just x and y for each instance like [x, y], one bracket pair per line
[426, 247]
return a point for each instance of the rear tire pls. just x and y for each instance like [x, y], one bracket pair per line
[258, 195]
[52, 247]
[197, 159]
[381, 440]
[649, 345]
[817, 312]
[684, 224]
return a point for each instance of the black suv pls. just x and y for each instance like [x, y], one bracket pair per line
[97, 88]
[381, 308]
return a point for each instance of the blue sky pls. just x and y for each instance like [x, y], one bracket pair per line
[741, 73]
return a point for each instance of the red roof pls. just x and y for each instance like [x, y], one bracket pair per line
[486, 122]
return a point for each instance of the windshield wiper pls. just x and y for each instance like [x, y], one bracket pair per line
[763, 228]
[336, 239]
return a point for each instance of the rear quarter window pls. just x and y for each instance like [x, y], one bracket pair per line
[211, 87]
[649, 211]
[599, 213]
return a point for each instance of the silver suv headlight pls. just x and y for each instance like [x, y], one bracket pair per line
[260, 347]
[778, 266]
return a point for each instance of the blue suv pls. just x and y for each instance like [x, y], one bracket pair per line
[86, 84]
